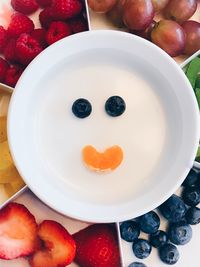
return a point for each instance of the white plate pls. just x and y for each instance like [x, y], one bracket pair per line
[158, 132]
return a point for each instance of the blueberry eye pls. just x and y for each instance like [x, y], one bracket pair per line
[115, 106]
[81, 108]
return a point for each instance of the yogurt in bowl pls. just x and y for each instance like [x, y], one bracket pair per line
[157, 133]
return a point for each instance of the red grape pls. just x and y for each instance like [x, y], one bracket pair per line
[116, 13]
[192, 30]
[147, 32]
[169, 36]
[101, 6]
[138, 14]
[159, 4]
[180, 10]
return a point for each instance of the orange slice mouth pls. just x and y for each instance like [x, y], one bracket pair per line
[108, 160]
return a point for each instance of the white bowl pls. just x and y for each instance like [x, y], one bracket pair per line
[158, 132]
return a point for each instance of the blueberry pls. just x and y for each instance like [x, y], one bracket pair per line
[180, 233]
[141, 248]
[173, 209]
[169, 254]
[137, 264]
[129, 230]
[81, 108]
[193, 215]
[191, 196]
[115, 106]
[191, 179]
[149, 222]
[158, 239]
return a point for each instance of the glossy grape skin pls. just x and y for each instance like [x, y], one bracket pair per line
[101, 6]
[115, 15]
[169, 36]
[138, 14]
[180, 10]
[192, 31]
[159, 4]
[146, 34]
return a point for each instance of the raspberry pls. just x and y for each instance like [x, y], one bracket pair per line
[46, 17]
[78, 25]
[13, 74]
[9, 51]
[66, 9]
[57, 31]
[40, 35]
[27, 48]
[3, 69]
[20, 24]
[24, 6]
[44, 3]
[3, 38]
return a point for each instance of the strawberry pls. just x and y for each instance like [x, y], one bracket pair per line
[3, 38]
[24, 6]
[18, 230]
[97, 246]
[27, 48]
[20, 24]
[9, 51]
[78, 25]
[66, 9]
[44, 3]
[3, 69]
[57, 31]
[46, 17]
[58, 246]
[40, 35]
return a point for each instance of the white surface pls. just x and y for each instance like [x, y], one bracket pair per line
[158, 132]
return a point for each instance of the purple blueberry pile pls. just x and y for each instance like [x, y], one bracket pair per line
[180, 213]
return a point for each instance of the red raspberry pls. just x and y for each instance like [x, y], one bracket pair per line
[57, 31]
[78, 25]
[46, 17]
[13, 74]
[44, 3]
[3, 69]
[27, 48]
[10, 51]
[20, 24]
[40, 36]
[24, 6]
[3, 38]
[66, 9]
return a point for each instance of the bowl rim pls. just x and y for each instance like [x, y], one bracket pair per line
[90, 217]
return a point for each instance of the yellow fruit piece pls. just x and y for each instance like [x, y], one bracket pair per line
[17, 183]
[3, 129]
[4, 103]
[3, 194]
[9, 190]
[8, 172]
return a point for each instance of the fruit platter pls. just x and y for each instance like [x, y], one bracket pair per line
[35, 234]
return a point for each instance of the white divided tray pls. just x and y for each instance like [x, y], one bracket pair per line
[188, 254]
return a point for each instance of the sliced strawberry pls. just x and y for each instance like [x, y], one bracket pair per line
[97, 246]
[18, 231]
[58, 248]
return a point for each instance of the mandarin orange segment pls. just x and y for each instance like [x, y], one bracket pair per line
[108, 160]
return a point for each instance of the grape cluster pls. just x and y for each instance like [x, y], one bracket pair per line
[175, 34]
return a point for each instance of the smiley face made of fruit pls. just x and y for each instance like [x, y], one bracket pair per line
[111, 157]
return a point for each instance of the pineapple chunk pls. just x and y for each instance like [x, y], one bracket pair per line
[8, 171]
[3, 194]
[3, 129]
[4, 103]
